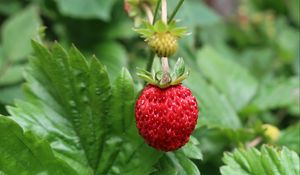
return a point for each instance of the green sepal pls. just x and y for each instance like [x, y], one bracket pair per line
[144, 32]
[179, 68]
[145, 75]
[158, 75]
[179, 79]
[148, 25]
[155, 78]
[160, 26]
[149, 30]
[180, 31]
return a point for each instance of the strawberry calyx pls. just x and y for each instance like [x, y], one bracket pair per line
[155, 77]
[160, 27]
[162, 37]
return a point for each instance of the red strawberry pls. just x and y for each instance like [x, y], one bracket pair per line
[166, 117]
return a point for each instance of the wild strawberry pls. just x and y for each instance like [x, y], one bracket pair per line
[271, 132]
[161, 37]
[166, 117]
[166, 112]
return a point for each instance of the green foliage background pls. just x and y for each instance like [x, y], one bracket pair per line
[67, 111]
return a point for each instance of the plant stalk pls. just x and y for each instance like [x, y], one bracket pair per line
[150, 62]
[156, 11]
[254, 142]
[164, 60]
[164, 11]
[149, 13]
[165, 67]
[176, 10]
[152, 55]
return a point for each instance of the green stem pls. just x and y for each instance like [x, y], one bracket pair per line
[150, 62]
[176, 10]
[152, 55]
[156, 11]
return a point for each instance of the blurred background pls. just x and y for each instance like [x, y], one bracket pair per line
[243, 56]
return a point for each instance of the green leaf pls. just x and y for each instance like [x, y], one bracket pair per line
[176, 164]
[182, 164]
[230, 78]
[276, 94]
[287, 41]
[290, 137]
[23, 153]
[9, 7]
[98, 9]
[18, 31]
[123, 97]
[165, 167]
[193, 8]
[135, 158]
[12, 74]
[191, 12]
[215, 109]
[10, 93]
[89, 125]
[238, 136]
[268, 160]
[192, 149]
[293, 10]
[113, 55]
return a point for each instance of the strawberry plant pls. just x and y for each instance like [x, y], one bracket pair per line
[156, 87]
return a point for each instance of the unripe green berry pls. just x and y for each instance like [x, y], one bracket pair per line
[271, 132]
[163, 43]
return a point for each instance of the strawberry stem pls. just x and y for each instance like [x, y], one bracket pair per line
[164, 11]
[148, 11]
[165, 67]
[156, 11]
[164, 60]
[152, 55]
[176, 10]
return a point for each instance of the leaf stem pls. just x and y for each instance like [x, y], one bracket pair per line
[156, 11]
[176, 10]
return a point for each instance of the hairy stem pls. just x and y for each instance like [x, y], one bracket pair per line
[165, 60]
[149, 13]
[254, 142]
[164, 11]
[165, 67]
[176, 10]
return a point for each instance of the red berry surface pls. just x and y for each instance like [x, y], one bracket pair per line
[166, 117]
